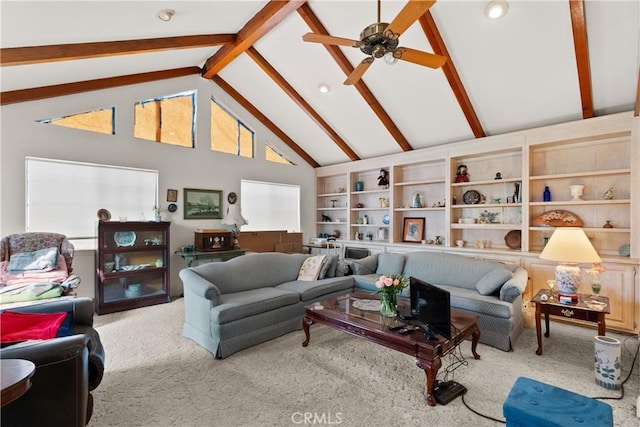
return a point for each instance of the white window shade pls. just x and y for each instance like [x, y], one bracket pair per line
[270, 206]
[64, 197]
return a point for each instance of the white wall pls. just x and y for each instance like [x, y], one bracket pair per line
[178, 167]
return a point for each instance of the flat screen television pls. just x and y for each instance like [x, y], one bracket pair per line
[431, 306]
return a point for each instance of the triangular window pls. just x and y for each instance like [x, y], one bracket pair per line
[101, 121]
[273, 155]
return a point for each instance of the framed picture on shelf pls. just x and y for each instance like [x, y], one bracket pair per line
[413, 230]
[172, 195]
[202, 204]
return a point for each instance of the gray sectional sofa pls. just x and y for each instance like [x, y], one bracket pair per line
[250, 299]
[491, 290]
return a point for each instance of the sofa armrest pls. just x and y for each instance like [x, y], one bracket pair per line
[514, 286]
[59, 394]
[199, 286]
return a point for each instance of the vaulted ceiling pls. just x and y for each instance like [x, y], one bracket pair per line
[545, 62]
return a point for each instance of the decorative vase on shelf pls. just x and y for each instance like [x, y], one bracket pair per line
[359, 186]
[546, 196]
[388, 305]
[577, 191]
[157, 216]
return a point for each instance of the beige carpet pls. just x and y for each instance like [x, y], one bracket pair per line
[155, 377]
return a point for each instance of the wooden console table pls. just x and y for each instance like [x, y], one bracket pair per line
[213, 256]
[576, 310]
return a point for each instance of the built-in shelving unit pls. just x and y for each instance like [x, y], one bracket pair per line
[600, 154]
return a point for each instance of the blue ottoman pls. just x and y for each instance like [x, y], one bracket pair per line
[532, 403]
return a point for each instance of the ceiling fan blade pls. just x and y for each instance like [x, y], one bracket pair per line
[324, 39]
[421, 58]
[359, 71]
[407, 16]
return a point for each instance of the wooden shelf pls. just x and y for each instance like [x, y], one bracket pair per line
[580, 174]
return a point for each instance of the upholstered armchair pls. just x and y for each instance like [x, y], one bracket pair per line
[67, 369]
[52, 256]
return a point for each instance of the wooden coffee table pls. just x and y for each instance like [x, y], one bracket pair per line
[340, 313]
[581, 309]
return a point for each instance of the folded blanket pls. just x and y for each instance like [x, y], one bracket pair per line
[41, 260]
[18, 326]
[56, 275]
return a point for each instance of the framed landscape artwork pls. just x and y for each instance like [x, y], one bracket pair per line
[413, 230]
[202, 204]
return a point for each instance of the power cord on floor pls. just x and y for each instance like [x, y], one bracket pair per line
[633, 363]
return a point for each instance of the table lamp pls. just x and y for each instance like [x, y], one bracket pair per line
[569, 246]
[234, 217]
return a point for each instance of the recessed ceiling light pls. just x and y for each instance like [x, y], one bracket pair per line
[165, 14]
[324, 88]
[496, 9]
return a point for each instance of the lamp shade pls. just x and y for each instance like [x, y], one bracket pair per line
[570, 244]
[234, 216]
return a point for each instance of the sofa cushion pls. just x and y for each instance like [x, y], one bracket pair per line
[447, 269]
[238, 305]
[310, 269]
[366, 265]
[390, 263]
[313, 290]
[329, 267]
[470, 300]
[493, 280]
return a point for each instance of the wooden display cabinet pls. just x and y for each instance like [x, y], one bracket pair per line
[132, 265]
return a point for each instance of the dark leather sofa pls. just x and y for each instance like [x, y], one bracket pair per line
[67, 370]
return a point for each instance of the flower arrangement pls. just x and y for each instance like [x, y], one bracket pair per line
[595, 271]
[389, 287]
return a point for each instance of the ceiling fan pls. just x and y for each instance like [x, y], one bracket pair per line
[380, 39]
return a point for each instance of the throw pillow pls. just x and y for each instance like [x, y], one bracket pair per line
[390, 263]
[17, 326]
[493, 280]
[365, 265]
[329, 267]
[311, 268]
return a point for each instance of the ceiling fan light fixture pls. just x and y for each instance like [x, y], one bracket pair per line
[390, 58]
[496, 9]
[324, 88]
[165, 14]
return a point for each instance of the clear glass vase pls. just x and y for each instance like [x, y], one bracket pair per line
[388, 305]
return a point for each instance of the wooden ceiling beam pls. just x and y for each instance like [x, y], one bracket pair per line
[299, 100]
[317, 27]
[581, 46]
[268, 17]
[439, 48]
[67, 52]
[43, 92]
[264, 120]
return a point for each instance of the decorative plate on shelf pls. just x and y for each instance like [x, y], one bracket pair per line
[172, 207]
[385, 219]
[124, 238]
[104, 215]
[558, 218]
[471, 197]
[624, 250]
[513, 239]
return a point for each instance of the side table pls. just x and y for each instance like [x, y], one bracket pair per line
[15, 378]
[578, 309]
